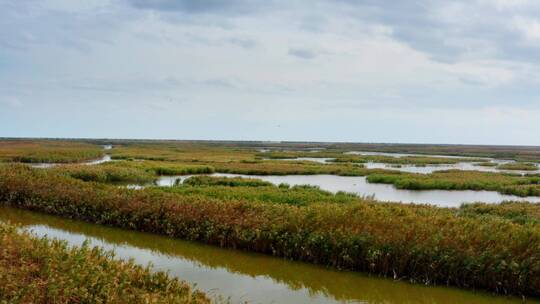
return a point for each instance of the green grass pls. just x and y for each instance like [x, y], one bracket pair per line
[461, 180]
[129, 171]
[423, 244]
[291, 168]
[183, 159]
[47, 151]
[486, 164]
[405, 160]
[518, 166]
[34, 270]
[106, 173]
[258, 191]
[517, 212]
[163, 167]
[225, 181]
[344, 158]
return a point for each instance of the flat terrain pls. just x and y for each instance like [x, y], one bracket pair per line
[491, 247]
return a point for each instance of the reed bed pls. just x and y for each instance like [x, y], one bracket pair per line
[486, 164]
[259, 191]
[462, 180]
[40, 270]
[181, 152]
[524, 153]
[518, 166]
[164, 167]
[405, 160]
[48, 151]
[106, 173]
[517, 212]
[422, 244]
[339, 157]
[291, 168]
[129, 171]
[226, 181]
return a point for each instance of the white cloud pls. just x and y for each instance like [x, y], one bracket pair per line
[316, 61]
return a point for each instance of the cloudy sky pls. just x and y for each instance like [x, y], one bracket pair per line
[338, 70]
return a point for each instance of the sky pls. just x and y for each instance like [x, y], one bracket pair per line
[423, 71]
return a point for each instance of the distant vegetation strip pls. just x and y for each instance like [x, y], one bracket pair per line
[486, 164]
[462, 180]
[421, 244]
[43, 151]
[106, 173]
[129, 171]
[518, 166]
[339, 157]
[40, 270]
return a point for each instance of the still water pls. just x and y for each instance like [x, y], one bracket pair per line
[104, 159]
[397, 155]
[468, 166]
[243, 276]
[464, 166]
[322, 160]
[381, 192]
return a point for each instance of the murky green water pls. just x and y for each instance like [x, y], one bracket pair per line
[240, 275]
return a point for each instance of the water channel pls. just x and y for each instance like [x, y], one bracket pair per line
[243, 276]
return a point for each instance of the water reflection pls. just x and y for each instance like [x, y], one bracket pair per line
[398, 155]
[359, 185]
[104, 159]
[423, 169]
[427, 169]
[240, 275]
[322, 160]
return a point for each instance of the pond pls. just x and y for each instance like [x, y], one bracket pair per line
[360, 186]
[243, 276]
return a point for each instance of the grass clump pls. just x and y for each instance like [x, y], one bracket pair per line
[461, 180]
[258, 191]
[34, 270]
[486, 164]
[165, 168]
[518, 166]
[173, 169]
[225, 181]
[106, 173]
